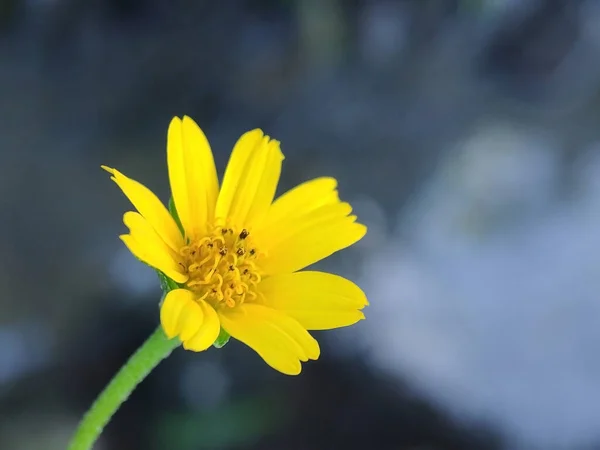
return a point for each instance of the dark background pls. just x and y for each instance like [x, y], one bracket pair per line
[466, 135]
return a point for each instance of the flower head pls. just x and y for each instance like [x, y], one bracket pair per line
[235, 253]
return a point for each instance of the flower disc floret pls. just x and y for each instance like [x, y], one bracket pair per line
[222, 267]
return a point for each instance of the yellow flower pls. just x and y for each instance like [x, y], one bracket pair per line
[238, 257]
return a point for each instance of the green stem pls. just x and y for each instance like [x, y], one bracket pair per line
[156, 348]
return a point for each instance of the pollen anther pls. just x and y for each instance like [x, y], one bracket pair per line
[221, 267]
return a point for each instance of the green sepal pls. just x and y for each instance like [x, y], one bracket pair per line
[222, 339]
[166, 284]
[175, 215]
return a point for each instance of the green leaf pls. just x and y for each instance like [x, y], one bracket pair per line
[222, 339]
[175, 215]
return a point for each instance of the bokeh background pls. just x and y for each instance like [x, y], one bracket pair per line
[466, 133]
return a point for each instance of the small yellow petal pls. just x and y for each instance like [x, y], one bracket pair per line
[250, 180]
[180, 315]
[317, 300]
[192, 175]
[150, 207]
[208, 332]
[190, 320]
[158, 260]
[171, 308]
[278, 339]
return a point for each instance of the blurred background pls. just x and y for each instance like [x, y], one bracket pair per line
[466, 133]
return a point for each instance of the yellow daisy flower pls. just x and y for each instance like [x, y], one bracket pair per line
[237, 257]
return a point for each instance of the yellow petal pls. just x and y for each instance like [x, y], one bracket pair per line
[180, 315]
[143, 232]
[317, 300]
[250, 180]
[190, 320]
[302, 200]
[192, 175]
[208, 332]
[302, 240]
[305, 225]
[293, 225]
[243, 149]
[312, 245]
[150, 207]
[326, 320]
[277, 338]
[148, 246]
[160, 261]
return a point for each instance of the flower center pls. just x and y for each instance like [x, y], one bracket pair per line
[221, 267]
